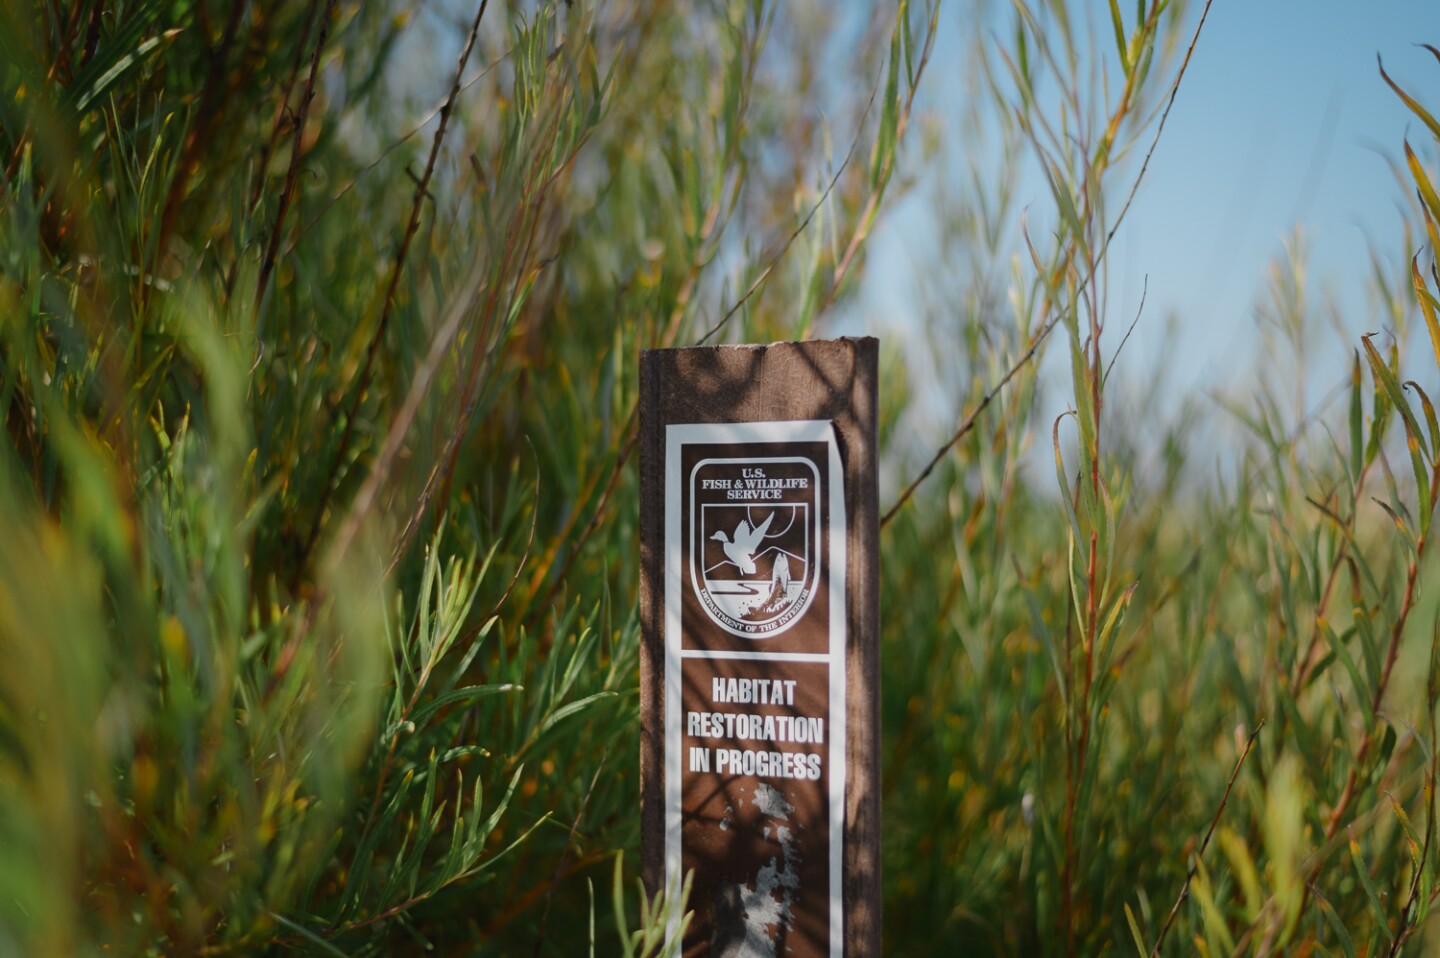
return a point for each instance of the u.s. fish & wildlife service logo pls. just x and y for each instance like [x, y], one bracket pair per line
[755, 541]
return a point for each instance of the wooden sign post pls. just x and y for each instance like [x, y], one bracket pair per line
[759, 666]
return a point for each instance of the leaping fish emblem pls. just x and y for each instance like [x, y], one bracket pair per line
[740, 548]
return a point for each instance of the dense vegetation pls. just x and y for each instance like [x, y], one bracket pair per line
[319, 325]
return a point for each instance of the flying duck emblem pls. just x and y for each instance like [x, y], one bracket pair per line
[740, 548]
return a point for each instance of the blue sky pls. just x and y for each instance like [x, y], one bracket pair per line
[1282, 123]
[1278, 125]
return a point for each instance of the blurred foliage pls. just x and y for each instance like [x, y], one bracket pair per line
[318, 336]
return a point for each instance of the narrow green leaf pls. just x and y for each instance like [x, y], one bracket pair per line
[1415, 443]
[358, 880]
[559, 715]
[1242, 866]
[488, 827]
[1431, 422]
[881, 161]
[1047, 637]
[1130, 915]
[310, 936]
[1121, 47]
[1110, 630]
[1422, 181]
[1395, 517]
[590, 892]
[815, 287]
[424, 632]
[908, 45]
[1022, 56]
[1372, 894]
[1339, 650]
[467, 693]
[1067, 492]
[1409, 101]
[1431, 230]
[617, 902]
[1429, 308]
[1337, 926]
[1068, 211]
[118, 53]
[1412, 837]
[427, 802]
[1426, 898]
[1357, 420]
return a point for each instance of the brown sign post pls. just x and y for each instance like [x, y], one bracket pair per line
[759, 670]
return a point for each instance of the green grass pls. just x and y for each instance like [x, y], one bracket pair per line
[319, 493]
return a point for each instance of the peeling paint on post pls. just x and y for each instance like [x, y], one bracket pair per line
[759, 666]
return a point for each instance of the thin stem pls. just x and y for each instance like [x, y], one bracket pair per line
[1205, 843]
[422, 188]
[277, 132]
[968, 423]
[207, 117]
[292, 174]
[1397, 632]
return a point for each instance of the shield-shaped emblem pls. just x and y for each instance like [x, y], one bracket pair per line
[754, 543]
